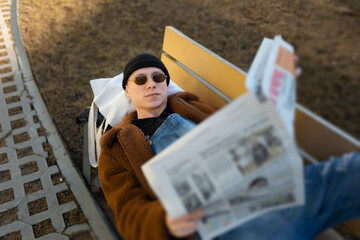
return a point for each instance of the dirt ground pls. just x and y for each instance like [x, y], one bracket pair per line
[71, 42]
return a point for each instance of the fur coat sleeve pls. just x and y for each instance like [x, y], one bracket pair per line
[138, 215]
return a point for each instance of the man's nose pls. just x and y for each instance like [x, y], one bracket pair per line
[150, 82]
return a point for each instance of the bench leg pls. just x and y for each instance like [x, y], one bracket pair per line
[86, 162]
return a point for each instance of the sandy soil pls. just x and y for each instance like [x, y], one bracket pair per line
[71, 42]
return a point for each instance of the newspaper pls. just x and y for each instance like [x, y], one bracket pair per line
[274, 78]
[236, 165]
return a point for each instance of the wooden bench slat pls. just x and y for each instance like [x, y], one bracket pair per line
[353, 226]
[188, 82]
[319, 138]
[218, 72]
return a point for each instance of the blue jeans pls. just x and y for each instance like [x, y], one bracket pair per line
[332, 194]
[173, 128]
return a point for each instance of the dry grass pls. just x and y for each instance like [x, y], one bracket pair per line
[71, 42]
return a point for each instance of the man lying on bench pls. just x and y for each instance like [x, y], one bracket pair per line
[332, 194]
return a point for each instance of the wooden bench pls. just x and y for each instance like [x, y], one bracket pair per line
[196, 69]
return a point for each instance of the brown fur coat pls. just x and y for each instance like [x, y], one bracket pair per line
[139, 215]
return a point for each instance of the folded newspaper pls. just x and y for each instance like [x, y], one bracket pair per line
[242, 161]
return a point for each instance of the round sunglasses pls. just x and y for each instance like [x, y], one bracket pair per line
[141, 79]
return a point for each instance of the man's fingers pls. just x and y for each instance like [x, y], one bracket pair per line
[298, 70]
[183, 232]
[185, 225]
[196, 215]
[296, 59]
[193, 216]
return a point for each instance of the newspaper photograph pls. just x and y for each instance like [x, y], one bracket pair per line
[235, 172]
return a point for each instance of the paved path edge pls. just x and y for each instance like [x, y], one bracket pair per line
[61, 153]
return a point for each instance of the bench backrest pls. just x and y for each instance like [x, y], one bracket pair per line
[196, 69]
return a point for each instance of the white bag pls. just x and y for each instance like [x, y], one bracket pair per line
[112, 102]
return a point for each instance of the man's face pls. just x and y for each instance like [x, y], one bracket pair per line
[150, 98]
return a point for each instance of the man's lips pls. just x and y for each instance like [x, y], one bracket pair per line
[152, 95]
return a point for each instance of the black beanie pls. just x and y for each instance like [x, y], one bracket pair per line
[142, 61]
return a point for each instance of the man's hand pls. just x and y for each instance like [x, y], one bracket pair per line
[298, 70]
[185, 225]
